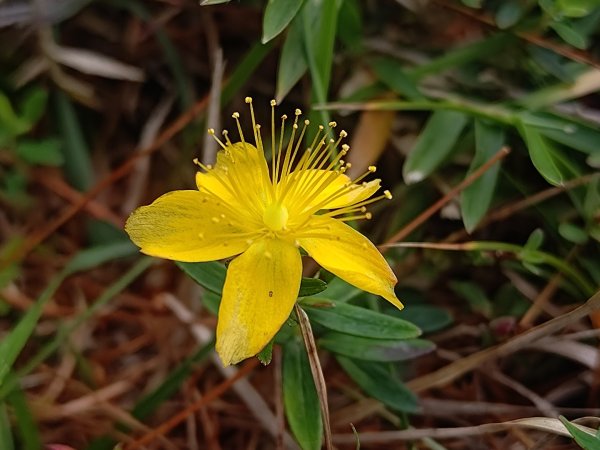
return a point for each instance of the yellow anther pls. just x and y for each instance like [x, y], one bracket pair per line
[321, 127]
[387, 194]
[284, 117]
[332, 124]
[345, 147]
[236, 115]
[298, 112]
[343, 134]
[368, 216]
[211, 131]
[307, 122]
[273, 103]
[248, 99]
[372, 169]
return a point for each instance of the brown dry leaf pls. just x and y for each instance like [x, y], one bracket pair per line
[369, 140]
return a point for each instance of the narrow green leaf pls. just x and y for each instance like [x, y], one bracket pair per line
[34, 104]
[292, 62]
[576, 8]
[349, 319]
[350, 25]
[573, 233]
[94, 256]
[427, 317]
[266, 354]
[542, 155]
[311, 286]
[78, 164]
[375, 349]
[535, 240]
[392, 74]
[9, 122]
[586, 440]
[300, 397]
[474, 295]
[573, 134]
[377, 381]
[278, 15]
[570, 34]
[209, 275]
[6, 439]
[26, 426]
[12, 344]
[509, 13]
[476, 198]
[46, 152]
[434, 145]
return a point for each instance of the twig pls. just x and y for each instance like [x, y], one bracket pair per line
[453, 370]
[317, 372]
[421, 218]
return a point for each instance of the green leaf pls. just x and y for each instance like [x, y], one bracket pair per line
[543, 156]
[392, 74]
[46, 152]
[570, 34]
[33, 106]
[9, 122]
[278, 15]
[26, 426]
[377, 381]
[209, 275]
[375, 349]
[300, 397]
[573, 233]
[427, 317]
[350, 26]
[509, 13]
[535, 240]
[78, 165]
[292, 62]
[6, 439]
[476, 198]
[434, 145]
[573, 134]
[311, 286]
[94, 256]
[576, 8]
[472, 3]
[358, 321]
[266, 354]
[586, 440]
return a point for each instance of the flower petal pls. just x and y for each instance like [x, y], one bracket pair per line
[259, 293]
[326, 188]
[186, 226]
[240, 176]
[349, 255]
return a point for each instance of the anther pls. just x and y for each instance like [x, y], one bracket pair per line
[343, 134]
[387, 194]
[284, 117]
[307, 122]
[211, 131]
[368, 216]
[248, 99]
[372, 169]
[345, 147]
[273, 103]
[236, 115]
[332, 124]
[348, 165]
[363, 209]
[297, 112]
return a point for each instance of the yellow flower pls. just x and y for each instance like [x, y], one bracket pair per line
[265, 215]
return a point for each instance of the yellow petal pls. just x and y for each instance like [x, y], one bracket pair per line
[349, 255]
[259, 293]
[186, 226]
[328, 189]
[240, 177]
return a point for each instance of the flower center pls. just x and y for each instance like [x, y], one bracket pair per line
[275, 216]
